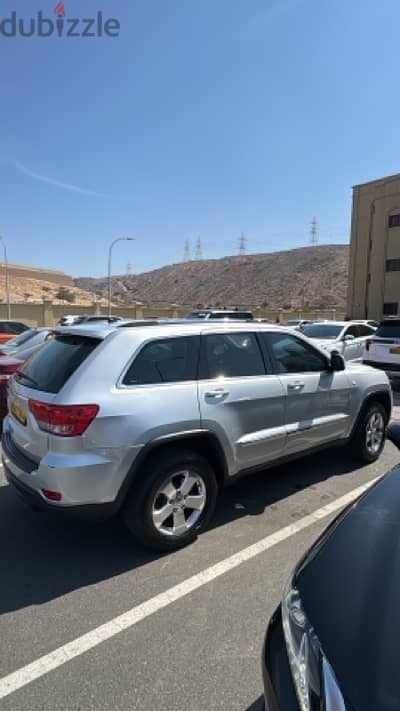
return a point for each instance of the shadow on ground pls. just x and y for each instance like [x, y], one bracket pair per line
[43, 557]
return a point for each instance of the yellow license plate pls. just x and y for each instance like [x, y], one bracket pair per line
[395, 351]
[18, 412]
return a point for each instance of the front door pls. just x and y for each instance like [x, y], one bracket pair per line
[242, 403]
[317, 399]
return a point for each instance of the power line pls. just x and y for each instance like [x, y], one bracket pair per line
[186, 251]
[314, 231]
[242, 244]
[199, 249]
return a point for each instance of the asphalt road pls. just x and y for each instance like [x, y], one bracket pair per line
[202, 650]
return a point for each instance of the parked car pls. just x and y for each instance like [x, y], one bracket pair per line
[232, 314]
[69, 320]
[383, 350]
[297, 323]
[346, 337]
[26, 343]
[10, 329]
[333, 642]
[152, 422]
[367, 322]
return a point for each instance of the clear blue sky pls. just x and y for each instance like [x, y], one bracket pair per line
[205, 118]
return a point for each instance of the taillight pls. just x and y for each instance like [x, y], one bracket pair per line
[63, 420]
[52, 495]
[4, 379]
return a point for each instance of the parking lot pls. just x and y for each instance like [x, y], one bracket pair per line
[180, 631]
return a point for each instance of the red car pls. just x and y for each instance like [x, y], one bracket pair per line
[8, 366]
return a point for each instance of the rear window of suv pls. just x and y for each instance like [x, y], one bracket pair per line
[49, 368]
[388, 329]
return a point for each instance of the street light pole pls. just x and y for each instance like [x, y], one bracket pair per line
[7, 278]
[119, 239]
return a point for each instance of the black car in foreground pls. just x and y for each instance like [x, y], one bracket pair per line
[334, 642]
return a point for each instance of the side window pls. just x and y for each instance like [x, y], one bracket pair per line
[291, 355]
[230, 355]
[353, 331]
[165, 361]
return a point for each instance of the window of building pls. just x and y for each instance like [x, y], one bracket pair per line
[165, 361]
[393, 265]
[231, 355]
[390, 308]
[294, 356]
[394, 220]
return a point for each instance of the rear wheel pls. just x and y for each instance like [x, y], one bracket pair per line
[370, 433]
[174, 500]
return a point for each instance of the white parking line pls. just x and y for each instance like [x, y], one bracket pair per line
[16, 680]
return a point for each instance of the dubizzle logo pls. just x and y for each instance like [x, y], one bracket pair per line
[63, 26]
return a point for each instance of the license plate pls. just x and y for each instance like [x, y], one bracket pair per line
[396, 350]
[18, 412]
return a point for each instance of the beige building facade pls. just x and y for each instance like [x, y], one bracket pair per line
[374, 271]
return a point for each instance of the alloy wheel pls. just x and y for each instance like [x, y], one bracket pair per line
[178, 503]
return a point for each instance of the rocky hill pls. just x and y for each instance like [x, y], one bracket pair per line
[310, 277]
[30, 290]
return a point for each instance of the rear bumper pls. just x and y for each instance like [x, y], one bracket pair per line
[11, 456]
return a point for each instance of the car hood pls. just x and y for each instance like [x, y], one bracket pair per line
[349, 583]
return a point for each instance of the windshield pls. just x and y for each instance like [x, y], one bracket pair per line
[293, 322]
[22, 338]
[322, 330]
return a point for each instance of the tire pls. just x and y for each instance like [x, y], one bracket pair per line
[370, 433]
[157, 511]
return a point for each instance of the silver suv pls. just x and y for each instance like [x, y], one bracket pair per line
[152, 421]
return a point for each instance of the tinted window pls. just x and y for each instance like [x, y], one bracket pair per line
[394, 221]
[12, 327]
[164, 361]
[352, 331]
[390, 308]
[322, 330]
[393, 265]
[365, 330]
[291, 355]
[231, 355]
[50, 367]
[389, 329]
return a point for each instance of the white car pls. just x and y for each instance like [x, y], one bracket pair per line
[346, 337]
[383, 350]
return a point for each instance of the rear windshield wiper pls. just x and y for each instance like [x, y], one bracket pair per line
[21, 374]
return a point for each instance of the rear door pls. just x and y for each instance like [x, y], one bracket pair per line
[317, 399]
[241, 400]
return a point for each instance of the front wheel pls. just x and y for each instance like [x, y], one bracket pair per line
[370, 433]
[173, 501]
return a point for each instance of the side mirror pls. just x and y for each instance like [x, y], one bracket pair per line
[349, 337]
[337, 361]
[393, 432]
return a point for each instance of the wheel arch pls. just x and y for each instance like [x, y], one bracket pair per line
[203, 442]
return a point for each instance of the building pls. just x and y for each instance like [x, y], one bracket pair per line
[374, 272]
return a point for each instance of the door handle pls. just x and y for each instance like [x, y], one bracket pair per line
[298, 385]
[217, 394]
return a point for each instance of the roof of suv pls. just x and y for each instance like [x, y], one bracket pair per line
[157, 330]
